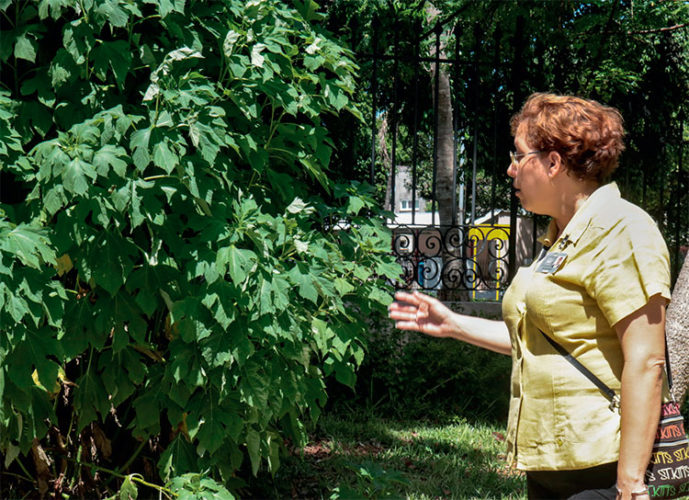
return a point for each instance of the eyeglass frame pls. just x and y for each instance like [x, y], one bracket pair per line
[515, 157]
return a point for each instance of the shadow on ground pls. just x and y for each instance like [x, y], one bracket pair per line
[380, 458]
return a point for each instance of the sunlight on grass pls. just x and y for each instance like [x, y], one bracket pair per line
[376, 457]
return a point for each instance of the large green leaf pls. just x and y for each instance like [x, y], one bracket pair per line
[178, 458]
[111, 261]
[76, 176]
[27, 243]
[109, 158]
[236, 261]
[113, 56]
[90, 398]
[25, 48]
[111, 12]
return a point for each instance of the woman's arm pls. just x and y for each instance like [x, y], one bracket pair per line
[642, 335]
[419, 312]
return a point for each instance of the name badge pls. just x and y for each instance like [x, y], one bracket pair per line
[551, 262]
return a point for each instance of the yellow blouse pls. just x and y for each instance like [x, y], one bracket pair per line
[615, 259]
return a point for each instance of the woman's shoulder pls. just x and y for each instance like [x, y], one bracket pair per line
[622, 215]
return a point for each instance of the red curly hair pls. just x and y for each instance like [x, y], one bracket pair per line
[588, 135]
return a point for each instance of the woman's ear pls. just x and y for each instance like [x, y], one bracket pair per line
[556, 164]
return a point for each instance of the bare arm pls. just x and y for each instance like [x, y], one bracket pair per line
[642, 335]
[419, 312]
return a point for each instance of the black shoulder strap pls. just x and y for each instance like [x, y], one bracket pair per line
[598, 382]
[668, 372]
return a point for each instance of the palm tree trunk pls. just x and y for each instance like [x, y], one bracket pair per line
[445, 170]
[387, 162]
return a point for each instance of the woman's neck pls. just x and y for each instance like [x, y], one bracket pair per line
[571, 200]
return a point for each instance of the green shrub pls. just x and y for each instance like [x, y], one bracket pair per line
[173, 292]
[406, 374]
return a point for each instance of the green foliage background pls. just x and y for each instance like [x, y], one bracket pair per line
[630, 55]
[173, 291]
[413, 377]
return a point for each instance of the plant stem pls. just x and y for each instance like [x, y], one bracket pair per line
[144, 19]
[9, 20]
[440, 384]
[23, 468]
[156, 177]
[133, 477]
[127, 463]
[133, 457]
[18, 476]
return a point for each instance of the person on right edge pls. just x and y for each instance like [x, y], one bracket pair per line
[599, 288]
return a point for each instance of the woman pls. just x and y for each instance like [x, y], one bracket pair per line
[599, 289]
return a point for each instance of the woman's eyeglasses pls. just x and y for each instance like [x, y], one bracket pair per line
[515, 157]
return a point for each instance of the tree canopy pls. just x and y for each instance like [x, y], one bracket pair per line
[630, 55]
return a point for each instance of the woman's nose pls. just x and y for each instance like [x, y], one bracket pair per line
[512, 170]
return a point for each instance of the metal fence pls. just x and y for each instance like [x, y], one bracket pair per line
[476, 254]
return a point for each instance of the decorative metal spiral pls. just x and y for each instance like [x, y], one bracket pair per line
[429, 273]
[408, 272]
[404, 243]
[430, 242]
[498, 243]
[453, 240]
[463, 258]
[472, 275]
[497, 274]
[454, 274]
[476, 243]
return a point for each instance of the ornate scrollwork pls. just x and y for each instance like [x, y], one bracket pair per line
[429, 272]
[464, 258]
[408, 272]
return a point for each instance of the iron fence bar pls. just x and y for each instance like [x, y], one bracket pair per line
[512, 248]
[395, 107]
[661, 193]
[436, 91]
[493, 194]
[644, 177]
[475, 93]
[415, 141]
[518, 69]
[474, 161]
[455, 127]
[374, 91]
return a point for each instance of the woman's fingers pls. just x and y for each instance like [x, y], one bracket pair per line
[407, 298]
[403, 315]
[402, 307]
[407, 325]
[410, 309]
[415, 299]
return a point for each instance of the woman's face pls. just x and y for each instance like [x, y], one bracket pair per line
[531, 181]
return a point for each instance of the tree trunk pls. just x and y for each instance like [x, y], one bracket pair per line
[677, 331]
[444, 174]
[445, 133]
[387, 162]
[445, 152]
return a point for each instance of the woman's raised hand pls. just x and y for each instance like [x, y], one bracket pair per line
[419, 312]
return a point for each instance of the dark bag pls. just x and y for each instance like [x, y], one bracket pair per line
[667, 475]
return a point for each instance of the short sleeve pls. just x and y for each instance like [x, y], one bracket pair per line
[631, 265]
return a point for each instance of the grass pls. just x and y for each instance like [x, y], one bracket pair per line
[368, 456]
